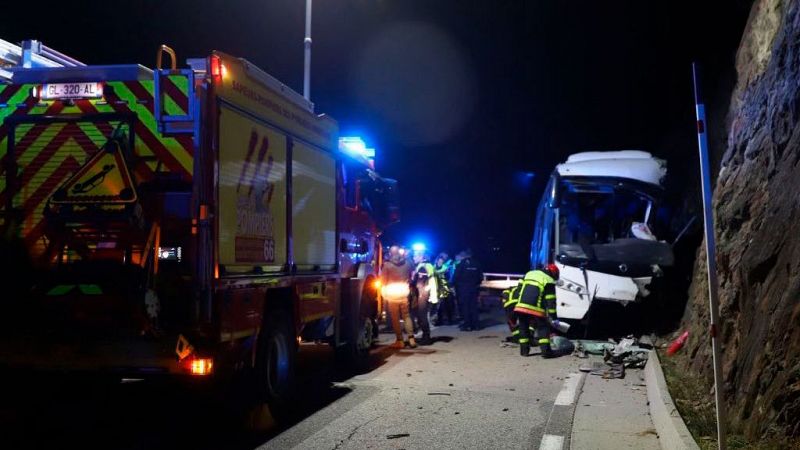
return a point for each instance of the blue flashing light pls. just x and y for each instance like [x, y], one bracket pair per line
[356, 146]
[418, 247]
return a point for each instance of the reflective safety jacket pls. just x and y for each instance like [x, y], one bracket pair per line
[424, 271]
[424, 277]
[443, 280]
[510, 297]
[535, 295]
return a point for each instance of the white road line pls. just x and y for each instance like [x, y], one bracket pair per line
[567, 394]
[551, 442]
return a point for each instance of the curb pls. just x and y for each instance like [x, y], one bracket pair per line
[672, 431]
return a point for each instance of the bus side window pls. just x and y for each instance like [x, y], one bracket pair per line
[542, 245]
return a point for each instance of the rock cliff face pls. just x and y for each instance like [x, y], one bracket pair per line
[757, 209]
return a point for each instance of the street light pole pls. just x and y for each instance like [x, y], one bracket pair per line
[307, 63]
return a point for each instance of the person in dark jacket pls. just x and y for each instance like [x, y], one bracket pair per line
[467, 280]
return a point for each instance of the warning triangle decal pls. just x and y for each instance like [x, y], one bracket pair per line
[104, 178]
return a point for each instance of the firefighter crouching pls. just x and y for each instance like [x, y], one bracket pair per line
[510, 297]
[534, 301]
[511, 318]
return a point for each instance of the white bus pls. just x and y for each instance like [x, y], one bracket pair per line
[594, 221]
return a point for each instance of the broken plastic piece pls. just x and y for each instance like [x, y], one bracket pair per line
[677, 344]
[395, 436]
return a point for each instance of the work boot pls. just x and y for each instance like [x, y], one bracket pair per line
[425, 340]
[524, 349]
[412, 343]
[547, 352]
[398, 344]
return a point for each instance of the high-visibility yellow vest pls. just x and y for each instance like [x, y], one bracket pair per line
[509, 299]
[544, 303]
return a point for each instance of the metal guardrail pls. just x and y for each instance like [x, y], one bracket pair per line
[500, 281]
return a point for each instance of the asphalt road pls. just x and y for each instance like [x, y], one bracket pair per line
[464, 391]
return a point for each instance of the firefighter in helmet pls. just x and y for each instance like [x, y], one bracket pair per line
[536, 305]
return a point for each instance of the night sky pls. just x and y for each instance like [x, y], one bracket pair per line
[464, 100]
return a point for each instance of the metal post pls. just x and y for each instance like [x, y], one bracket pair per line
[307, 63]
[711, 253]
[29, 49]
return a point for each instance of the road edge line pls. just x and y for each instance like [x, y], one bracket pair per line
[551, 441]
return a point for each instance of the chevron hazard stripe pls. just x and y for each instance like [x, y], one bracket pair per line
[46, 154]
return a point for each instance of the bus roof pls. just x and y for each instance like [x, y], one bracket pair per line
[631, 164]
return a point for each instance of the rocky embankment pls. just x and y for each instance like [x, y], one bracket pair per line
[757, 208]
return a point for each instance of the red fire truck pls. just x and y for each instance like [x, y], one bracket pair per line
[197, 223]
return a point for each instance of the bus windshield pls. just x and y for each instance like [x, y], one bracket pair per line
[607, 220]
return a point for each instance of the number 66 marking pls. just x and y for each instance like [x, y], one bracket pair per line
[269, 250]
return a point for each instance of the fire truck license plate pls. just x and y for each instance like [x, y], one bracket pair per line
[72, 90]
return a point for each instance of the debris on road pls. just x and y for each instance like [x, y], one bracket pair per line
[594, 365]
[438, 393]
[629, 352]
[396, 436]
[593, 347]
[647, 341]
[614, 371]
[561, 345]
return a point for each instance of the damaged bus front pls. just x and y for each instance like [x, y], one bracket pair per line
[596, 221]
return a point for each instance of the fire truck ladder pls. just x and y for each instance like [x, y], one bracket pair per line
[171, 124]
[31, 53]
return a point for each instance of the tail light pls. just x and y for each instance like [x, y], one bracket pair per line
[202, 366]
[198, 366]
[215, 67]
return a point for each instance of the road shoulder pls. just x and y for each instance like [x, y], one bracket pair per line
[613, 414]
